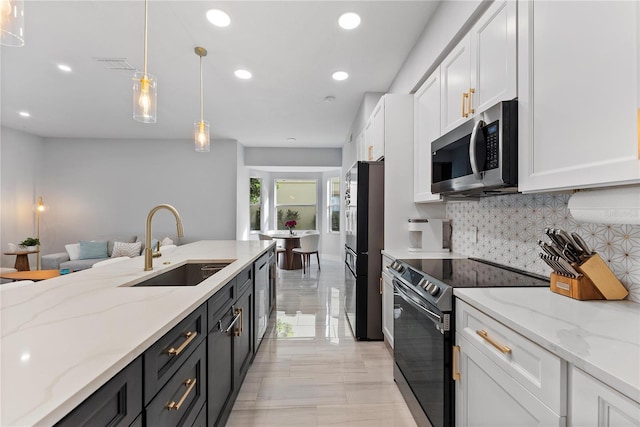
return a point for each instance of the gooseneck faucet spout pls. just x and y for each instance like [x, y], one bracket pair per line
[148, 250]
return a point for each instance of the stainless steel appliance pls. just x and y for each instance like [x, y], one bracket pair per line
[364, 223]
[480, 157]
[424, 328]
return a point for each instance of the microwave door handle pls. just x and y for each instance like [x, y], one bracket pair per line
[472, 150]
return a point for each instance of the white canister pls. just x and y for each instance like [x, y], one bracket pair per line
[13, 247]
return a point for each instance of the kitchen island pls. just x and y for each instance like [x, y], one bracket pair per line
[64, 338]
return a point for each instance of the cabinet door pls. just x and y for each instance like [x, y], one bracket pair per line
[387, 307]
[262, 297]
[243, 341]
[220, 369]
[378, 130]
[456, 81]
[426, 108]
[578, 96]
[591, 403]
[493, 56]
[487, 396]
[368, 140]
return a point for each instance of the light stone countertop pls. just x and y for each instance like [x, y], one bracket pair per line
[63, 338]
[600, 337]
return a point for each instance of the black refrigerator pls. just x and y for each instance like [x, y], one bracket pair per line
[364, 224]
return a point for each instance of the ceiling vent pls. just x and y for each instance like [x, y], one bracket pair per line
[115, 64]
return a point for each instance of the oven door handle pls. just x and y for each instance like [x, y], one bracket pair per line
[415, 304]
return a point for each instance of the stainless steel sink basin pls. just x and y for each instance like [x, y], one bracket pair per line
[186, 275]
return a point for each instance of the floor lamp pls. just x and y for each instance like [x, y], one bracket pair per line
[39, 210]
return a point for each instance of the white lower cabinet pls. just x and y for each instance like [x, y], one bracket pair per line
[505, 379]
[487, 396]
[386, 288]
[592, 403]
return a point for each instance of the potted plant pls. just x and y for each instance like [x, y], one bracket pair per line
[30, 243]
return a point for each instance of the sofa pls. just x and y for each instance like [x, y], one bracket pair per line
[74, 260]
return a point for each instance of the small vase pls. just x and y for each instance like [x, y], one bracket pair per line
[291, 231]
[31, 248]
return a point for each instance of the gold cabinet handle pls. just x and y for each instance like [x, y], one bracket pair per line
[502, 348]
[238, 331]
[470, 109]
[190, 336]
[173, 406]
[456, 361]
[465, 95]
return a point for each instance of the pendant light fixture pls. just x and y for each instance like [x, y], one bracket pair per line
[12, 23]
[202, 128]
[145, 86]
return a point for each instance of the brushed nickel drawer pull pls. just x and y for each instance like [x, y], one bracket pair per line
[456, 361]
[502, 348]
[190, 336]
[173, 406]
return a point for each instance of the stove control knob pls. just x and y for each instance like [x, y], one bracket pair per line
[400, 268]
[433, 289]
[423, 283]
[394, 265]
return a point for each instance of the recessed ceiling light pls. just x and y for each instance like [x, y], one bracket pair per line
[243, 74]
[65, 68]
[291, 140]
[218, 18]
[340, 75]
[24, 113]
[329, 99]
[349, 21]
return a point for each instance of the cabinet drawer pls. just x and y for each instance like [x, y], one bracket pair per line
[117, 403]
[221, 300]
[180, 401]
[539, 371]
[162, 359]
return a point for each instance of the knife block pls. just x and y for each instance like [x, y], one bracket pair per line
[597, 282]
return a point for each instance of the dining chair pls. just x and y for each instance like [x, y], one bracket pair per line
[308, 245]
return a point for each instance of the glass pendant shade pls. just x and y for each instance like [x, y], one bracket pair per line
[145, 97]
[12, 23]
[202, 138]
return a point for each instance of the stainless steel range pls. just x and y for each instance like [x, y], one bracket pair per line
[424, 327]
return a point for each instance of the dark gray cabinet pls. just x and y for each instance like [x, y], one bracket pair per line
[179, 401]
[117, 403]
[192, 375]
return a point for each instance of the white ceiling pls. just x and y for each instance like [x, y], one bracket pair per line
[291, 47]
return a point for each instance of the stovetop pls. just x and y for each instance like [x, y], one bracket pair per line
[474, 273]
[433, 280]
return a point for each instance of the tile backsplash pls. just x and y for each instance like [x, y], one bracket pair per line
[506, 229]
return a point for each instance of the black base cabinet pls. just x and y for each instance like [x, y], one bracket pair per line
[192, 375]
[117, 403]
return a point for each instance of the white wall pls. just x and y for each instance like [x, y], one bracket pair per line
[320, 157]
[21, 166]
[242, 190]
[98, 187]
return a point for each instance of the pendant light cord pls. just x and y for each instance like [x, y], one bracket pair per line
[146, 12]
[201, 93]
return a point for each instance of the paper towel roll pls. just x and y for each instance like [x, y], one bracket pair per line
[618, 205]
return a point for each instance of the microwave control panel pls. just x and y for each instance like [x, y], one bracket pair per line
[491, 138]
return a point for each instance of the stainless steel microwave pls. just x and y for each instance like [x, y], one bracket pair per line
[480, 157]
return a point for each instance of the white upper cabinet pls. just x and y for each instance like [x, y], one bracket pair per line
[578, 78]
[368, 140]
[374, 132]
[360, 147]
[426, 122]
[482, 69]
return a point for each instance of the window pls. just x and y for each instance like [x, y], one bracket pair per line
[296, 200]
[333, 204]
[255, 203]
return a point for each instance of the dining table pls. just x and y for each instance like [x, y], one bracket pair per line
[290, 260]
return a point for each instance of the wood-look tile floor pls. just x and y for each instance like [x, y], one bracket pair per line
[310, 371]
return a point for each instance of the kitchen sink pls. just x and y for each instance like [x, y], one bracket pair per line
[186, 275]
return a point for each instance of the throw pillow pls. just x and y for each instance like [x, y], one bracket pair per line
[73, 250]
[93, 250]
[126, 249]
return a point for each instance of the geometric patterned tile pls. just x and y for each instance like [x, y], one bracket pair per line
[509, 227]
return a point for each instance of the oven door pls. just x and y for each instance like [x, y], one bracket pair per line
[350, 282]
[422, 352]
